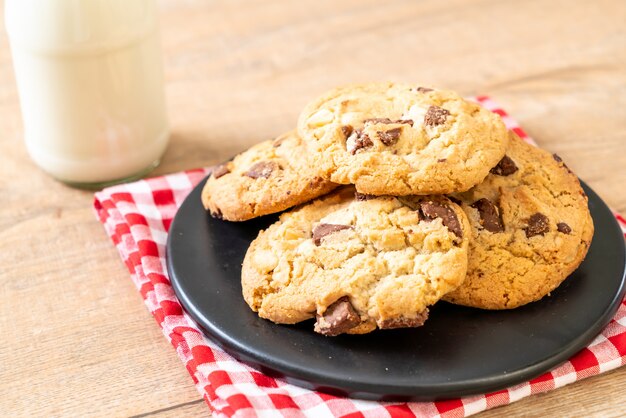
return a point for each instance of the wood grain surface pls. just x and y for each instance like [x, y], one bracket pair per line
[77, 340]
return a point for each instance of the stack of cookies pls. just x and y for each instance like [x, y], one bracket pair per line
[405, 196]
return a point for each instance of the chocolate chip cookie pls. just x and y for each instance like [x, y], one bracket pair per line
[269, 177]
[531, 228]
[398, 139]
[357, 263]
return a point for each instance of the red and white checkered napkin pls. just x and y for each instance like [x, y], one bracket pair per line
[137, 217]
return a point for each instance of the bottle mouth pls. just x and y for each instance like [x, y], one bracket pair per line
[69, 27]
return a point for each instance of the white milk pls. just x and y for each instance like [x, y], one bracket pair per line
[90, 81]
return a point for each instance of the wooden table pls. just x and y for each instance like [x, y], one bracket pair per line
[77, 340]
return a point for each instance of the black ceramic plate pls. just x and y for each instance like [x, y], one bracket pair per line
[458, 352]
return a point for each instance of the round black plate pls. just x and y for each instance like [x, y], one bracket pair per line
[459, 351]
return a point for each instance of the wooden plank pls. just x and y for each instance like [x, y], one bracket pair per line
[78, 341]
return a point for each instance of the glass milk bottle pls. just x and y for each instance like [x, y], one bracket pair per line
[90, 81]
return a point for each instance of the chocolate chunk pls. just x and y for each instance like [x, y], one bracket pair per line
[560, 160]
[220, 171]
[433, 210]
[363, 196]
[388, 121]
[435, 116]
[442, 160]
[217, 214]
[537, 225]
[404, 322]
[347, 130]
[322, 230]
[315, 182]
[563, 227]
[405, 121]
[361, 140]
[389, 137]
[505, 167]
[338, 318]
[489, 216]
[424, 89]
[261, 169]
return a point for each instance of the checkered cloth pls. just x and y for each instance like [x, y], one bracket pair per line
[137, 217]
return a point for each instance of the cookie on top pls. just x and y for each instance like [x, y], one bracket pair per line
[401, 139]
